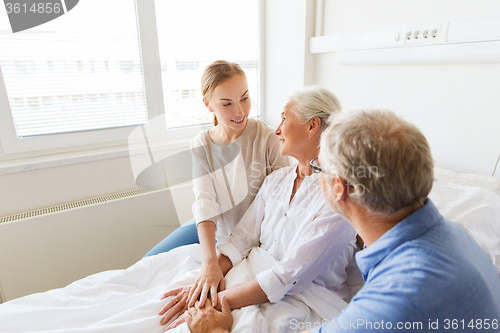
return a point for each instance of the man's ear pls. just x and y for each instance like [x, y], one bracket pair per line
[340, 189]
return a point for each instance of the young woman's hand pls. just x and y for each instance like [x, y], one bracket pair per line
[178, 304]
[210, 280]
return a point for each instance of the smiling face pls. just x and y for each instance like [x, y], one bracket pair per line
[292, 133]
[230, 101]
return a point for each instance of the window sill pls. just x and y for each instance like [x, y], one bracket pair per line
[70, 158]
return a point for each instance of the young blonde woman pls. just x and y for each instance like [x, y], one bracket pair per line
[230, 162]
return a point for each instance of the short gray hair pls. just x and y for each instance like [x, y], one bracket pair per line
[314, 101]
[385, 158]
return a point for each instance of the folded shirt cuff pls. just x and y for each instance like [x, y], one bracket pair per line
[200, 217]
[198, 222]
[230, 251]
[272, 286]
[205, 213]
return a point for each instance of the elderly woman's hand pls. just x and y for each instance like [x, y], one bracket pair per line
[207, 319]
[178, 304]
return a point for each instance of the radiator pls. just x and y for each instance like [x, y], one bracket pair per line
[52, 247]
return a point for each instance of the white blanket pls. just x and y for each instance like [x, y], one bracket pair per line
[129, 300]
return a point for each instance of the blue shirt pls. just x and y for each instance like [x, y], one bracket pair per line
[426, 274]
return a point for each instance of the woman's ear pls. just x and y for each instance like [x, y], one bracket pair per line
[314, 125]
[207, 104]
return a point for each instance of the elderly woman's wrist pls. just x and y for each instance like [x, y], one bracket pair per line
[219, 300]
[224, 263]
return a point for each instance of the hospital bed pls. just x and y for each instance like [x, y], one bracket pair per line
[128, 300]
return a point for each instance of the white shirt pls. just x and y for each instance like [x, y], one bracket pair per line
[311, 242]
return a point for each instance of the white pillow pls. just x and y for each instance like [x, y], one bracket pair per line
[469, 179]
[477, 210]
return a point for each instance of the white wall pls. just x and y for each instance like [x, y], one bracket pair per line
[455, 105]
[289, 66]
[31, 183]
[24, 191]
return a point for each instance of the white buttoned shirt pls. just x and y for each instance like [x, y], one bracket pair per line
[311, 242]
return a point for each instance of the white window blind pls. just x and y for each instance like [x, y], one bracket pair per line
[194, 33]
[79, 72]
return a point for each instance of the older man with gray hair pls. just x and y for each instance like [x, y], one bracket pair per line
[421, 271]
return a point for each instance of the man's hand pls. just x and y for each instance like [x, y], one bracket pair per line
[208, 319]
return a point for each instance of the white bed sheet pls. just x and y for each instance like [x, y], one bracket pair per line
[129, 300]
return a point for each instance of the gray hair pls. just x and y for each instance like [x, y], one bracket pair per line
[314, 101]
[385, 158]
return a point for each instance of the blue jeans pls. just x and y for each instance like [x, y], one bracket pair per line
[185, 235]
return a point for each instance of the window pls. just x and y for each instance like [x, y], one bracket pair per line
[52, 82]
[192, 34]
[88, 76]
[184, 65]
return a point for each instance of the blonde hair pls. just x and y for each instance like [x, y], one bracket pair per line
[313, 102]
[385, 158]
[214, 74]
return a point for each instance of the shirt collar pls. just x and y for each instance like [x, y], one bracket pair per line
[312, 177]
[410, 228]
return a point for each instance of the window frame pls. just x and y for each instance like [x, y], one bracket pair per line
[104, 138]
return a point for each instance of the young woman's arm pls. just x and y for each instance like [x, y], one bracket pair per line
[205, 209]
[210, 278]
[245, 235]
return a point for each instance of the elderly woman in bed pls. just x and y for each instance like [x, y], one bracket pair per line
[289, 218]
